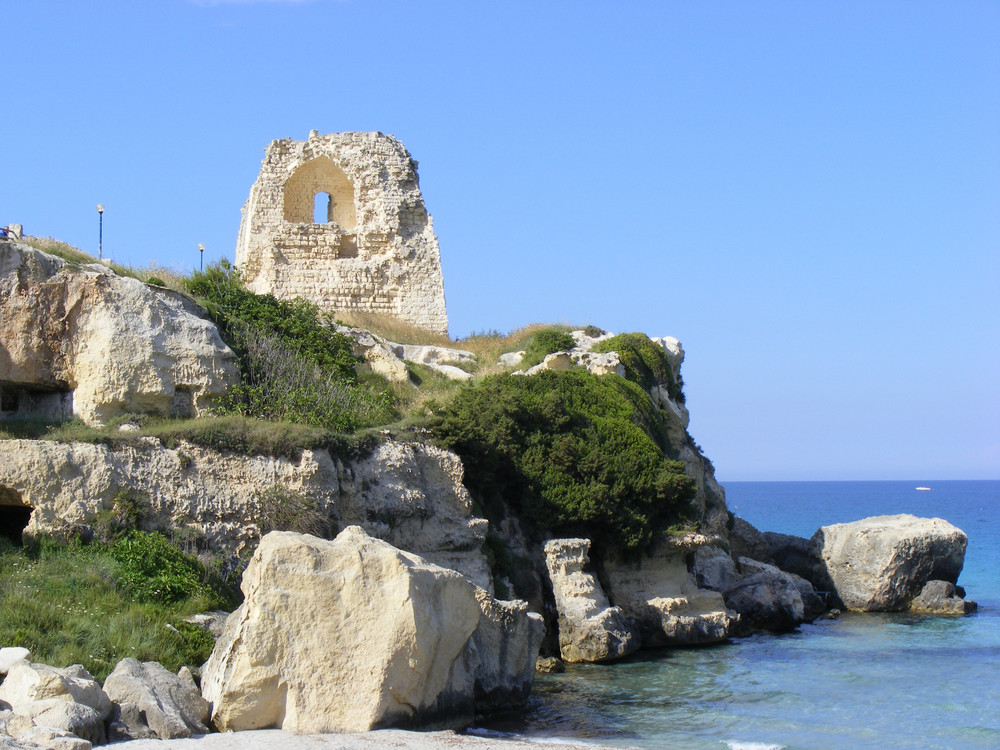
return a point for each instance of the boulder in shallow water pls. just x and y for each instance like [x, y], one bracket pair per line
[767, 598]
[881, 564]
[942, 598]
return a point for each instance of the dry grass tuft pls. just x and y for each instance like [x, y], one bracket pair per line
[396, 330]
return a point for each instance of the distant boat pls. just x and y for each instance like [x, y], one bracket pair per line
[925, 489]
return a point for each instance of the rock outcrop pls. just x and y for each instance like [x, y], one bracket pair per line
[661, 596]
[942, 598]
[590, 629]
[350, 635]
[68, 700]
[81, 340]
[410, 495]
[881, 564]
[767, 598]
[504, 650]
[154, 702]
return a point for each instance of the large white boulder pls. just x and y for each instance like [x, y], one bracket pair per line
[881, 563]
[340, 636]
[83, 340]
[166, 705]
[590, 629]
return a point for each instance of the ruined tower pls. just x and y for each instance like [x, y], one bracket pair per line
[339, 220]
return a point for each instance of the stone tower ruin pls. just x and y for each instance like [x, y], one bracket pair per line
[339, 220]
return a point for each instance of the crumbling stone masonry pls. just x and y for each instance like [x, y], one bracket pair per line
[339, 220]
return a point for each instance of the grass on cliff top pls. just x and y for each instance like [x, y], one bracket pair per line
[153, 274]
[99, 603]
[234, 433]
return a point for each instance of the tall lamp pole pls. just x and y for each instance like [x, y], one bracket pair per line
[100, 230]
[201, 249]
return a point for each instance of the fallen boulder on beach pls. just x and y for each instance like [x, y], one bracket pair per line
[353, 634]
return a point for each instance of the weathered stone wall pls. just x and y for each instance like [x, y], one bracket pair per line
[375, 251]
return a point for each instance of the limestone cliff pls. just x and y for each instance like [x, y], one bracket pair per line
[79, 340]
[408, 495]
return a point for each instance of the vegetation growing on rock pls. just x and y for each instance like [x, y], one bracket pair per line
[645, 362]
[570, 452]
[295, 365]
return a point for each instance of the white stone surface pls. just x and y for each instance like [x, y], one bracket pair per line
[29, 682]
[410, 495]
[170, 706]
[882, 563]
[10, 656]
[664, 600]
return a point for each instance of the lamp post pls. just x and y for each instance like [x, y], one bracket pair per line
[201, 249]
[100, 230]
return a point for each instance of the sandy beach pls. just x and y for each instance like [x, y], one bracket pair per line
[275, 739]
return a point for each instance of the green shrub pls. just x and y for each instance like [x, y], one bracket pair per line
[295, 366]
[645, 362]
[298, 324]
[570, 452]
[152, 569]
[128, 507]
[282, 384]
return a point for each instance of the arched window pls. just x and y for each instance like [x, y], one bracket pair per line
[313, 179]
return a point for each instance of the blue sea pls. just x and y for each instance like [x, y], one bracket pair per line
[860, 681]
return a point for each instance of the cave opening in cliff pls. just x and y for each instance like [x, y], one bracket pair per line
[14, 515]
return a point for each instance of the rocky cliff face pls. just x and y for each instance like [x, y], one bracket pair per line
[81, 340]
[408, 495]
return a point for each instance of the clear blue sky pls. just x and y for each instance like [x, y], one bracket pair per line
[806, 194]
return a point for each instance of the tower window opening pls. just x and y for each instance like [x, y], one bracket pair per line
[322, 208]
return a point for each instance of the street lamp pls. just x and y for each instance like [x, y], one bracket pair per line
[100, 230]
[201, 249]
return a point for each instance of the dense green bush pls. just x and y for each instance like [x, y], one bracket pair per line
[571, 452]
[645, 362]
[298, 324]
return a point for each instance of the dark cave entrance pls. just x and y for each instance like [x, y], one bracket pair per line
[14, 516]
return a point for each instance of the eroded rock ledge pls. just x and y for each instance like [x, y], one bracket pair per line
[410, 495]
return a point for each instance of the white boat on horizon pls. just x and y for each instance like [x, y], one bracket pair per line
[925, 489]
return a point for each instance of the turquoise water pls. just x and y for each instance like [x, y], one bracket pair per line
[861, 681]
